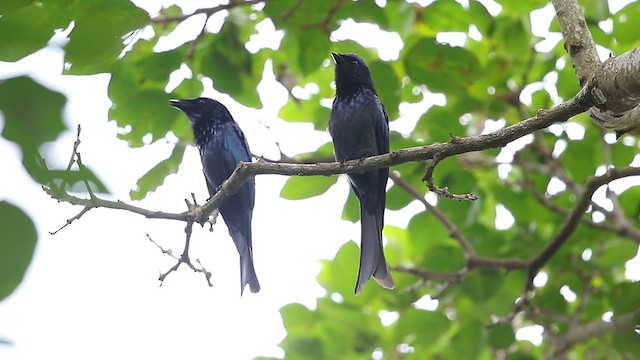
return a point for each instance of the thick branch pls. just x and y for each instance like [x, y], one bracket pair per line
[616, 93]
[577, 38]
[595, 329]
[455, 146]
[616, 83]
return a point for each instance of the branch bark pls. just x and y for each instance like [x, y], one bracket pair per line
[615, 85]
[456, 146]
[577, 38]
[597, 328]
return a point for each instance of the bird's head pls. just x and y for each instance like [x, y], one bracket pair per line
[202, 109]
[351, 71]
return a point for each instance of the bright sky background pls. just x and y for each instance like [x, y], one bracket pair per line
[92, 290]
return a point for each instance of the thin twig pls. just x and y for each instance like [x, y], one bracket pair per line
[165, 19]
[454, 231]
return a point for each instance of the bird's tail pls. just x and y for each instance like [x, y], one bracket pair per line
[372, 261]
[248, 273]
[242, 240]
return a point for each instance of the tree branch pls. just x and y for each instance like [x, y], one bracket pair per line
[456, 146]
[454, 231]
[616, 93]
[592, 184]
[594, 329]
[616, 82]
[165, 19]
[619, 226]
[577, 38]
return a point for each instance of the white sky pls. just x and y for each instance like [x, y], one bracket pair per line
[92, 290]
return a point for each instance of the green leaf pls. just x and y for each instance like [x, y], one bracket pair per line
[340, 274]
[626, 342]
[101, 26]
[351, 210]
[150, 110]
[521, 7]
[17, 243]
[364, 12]
[501, 336]
[625, 297]
[550, 299]
[445, 258]
[155, 177]
[481, 17]
[294, 14]
[231, 67]
[32, 117]
[567, 83]
[623, 25]
[426, 232]
[303, 187]
[398, 198]
[28, 106]
[311, 57]
[520, 355]
[481, 285]
[630, 202]
[9, 6]
[158, 66]
[467, 343]
[387, 85]
[421, 327]
[27, 26]
[297, 319]
[300, 323]
[581, 153]
[446, 15]
[513, 40]
[402, 16]
[438, 124]
[306, 111]
[616, 252]
[441, 67]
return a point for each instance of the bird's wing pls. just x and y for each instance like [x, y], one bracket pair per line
[382, 131]
[237, 149]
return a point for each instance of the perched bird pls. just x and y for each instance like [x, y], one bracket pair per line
[359, 126]
[222, 146]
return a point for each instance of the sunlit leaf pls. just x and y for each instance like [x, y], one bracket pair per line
[97, 39]
[156, 175]
[303, 187]
[26, 26]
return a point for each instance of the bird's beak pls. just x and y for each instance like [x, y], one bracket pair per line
[179, 104]
[337, 58]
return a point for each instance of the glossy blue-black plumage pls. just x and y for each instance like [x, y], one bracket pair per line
[222, 146]
[359, 126]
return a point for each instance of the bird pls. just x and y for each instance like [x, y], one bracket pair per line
[359, 127]
[222, 146]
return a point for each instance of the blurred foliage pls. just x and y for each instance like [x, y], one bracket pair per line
[487, 80]
[17, 244]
